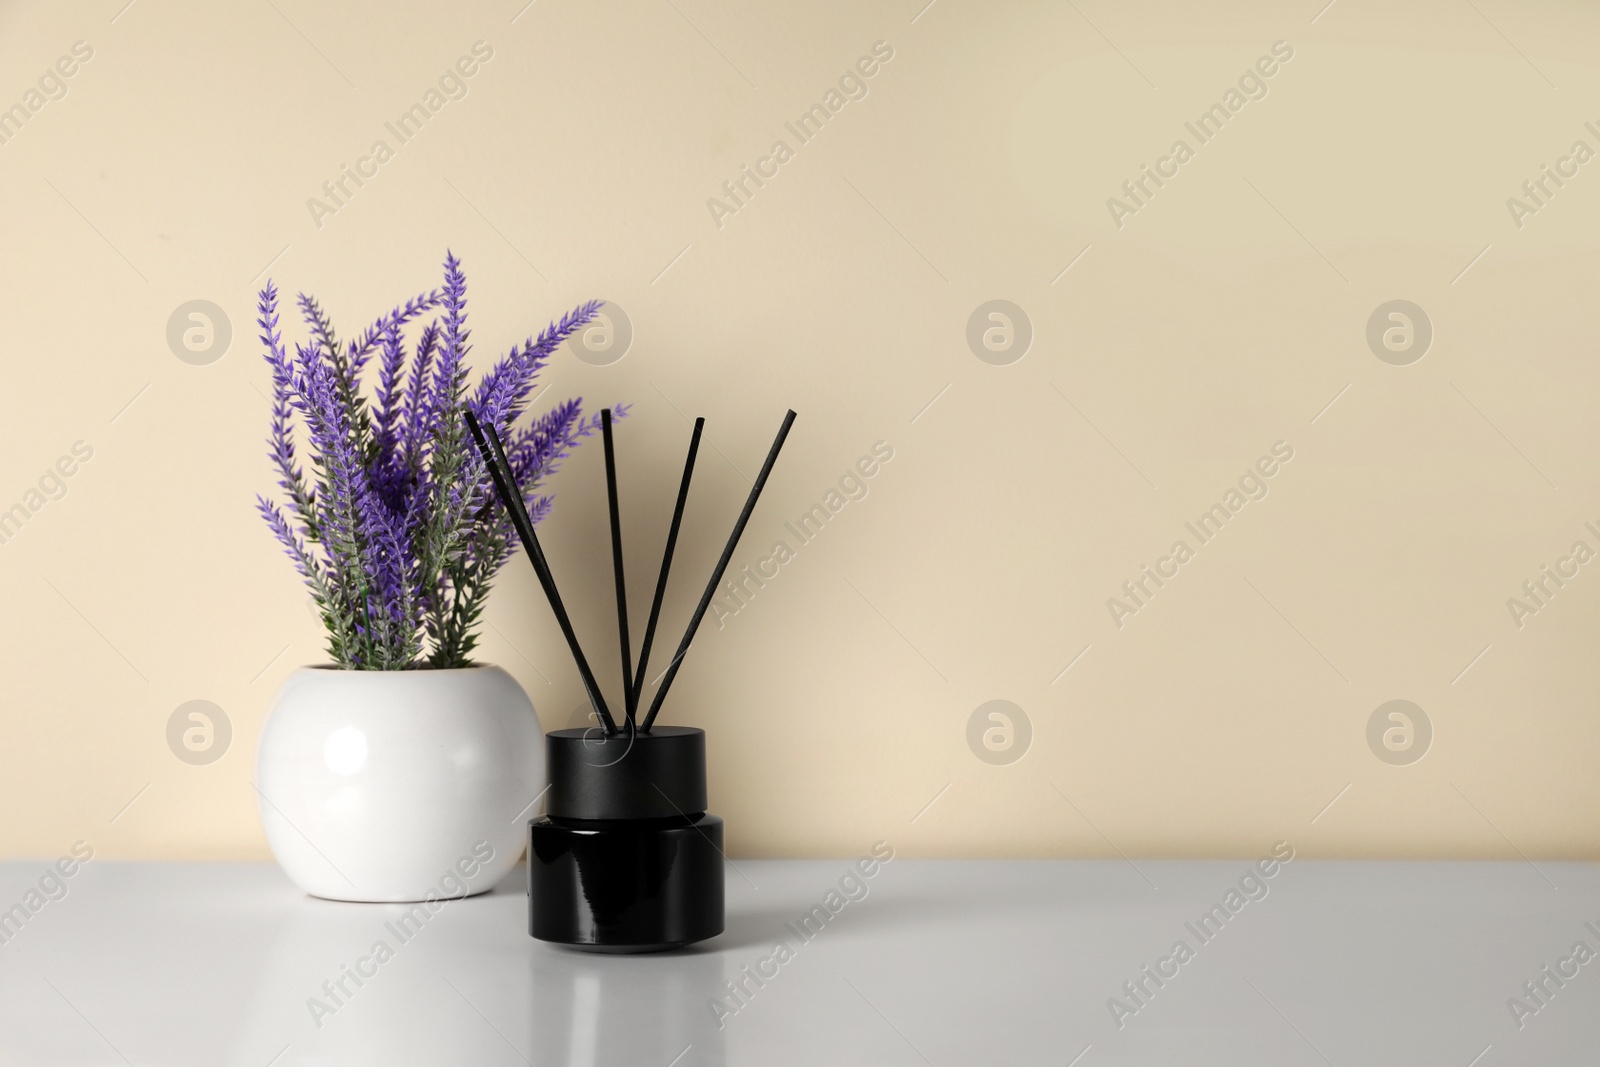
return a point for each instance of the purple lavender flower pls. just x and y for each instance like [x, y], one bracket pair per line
[395, 528]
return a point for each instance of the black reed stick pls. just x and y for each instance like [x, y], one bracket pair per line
[616, 565]
[494, 457]
[716, 575]
[666, 565]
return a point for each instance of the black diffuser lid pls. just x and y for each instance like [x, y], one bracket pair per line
[626, 775]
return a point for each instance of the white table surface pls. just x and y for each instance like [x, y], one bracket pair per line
[943, 963]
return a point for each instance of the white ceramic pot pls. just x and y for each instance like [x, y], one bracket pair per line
[394, 785]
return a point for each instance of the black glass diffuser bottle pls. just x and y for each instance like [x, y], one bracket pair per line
[626, 858]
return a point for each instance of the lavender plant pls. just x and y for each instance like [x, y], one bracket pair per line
[396, 528]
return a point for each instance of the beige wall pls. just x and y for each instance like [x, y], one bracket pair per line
[1222, 317]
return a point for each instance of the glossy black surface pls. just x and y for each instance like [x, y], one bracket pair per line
[625, 885]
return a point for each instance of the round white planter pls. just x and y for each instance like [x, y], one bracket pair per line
[394, 785]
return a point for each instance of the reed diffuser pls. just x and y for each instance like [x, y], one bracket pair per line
[626, 858]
